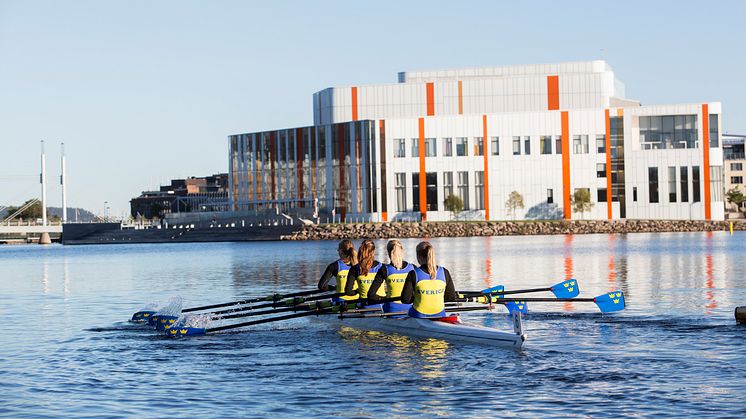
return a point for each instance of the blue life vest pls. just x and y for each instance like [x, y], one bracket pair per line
[429, 295]
[395, 279]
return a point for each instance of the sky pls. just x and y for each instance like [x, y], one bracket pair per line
[142, 92]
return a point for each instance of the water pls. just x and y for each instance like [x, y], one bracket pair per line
[66, 348]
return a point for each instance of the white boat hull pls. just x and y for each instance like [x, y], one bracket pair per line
[424, 328]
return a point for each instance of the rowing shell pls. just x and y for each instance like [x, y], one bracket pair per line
[424, 328]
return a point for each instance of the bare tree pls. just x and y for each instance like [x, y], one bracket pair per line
[515, 201]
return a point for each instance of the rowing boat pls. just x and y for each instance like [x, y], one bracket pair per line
[427, 328]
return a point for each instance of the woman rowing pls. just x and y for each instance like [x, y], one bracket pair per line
[428, 287]
[339, 270]
[363, 274]
[393, 275]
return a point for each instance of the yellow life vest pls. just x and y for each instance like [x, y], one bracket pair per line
[364, 282]
[429, 294]
[342, 270]
[395, 279]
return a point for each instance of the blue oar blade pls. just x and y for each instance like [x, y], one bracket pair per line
[566, 289]
[516, 307]
[142, 316]
[176, 332]
[498, 289]
[164, 322]
[610, 302]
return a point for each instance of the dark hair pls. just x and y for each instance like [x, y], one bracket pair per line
[426, 256]
[367, 253]
[347, 250]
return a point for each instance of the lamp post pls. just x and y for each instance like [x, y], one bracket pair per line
[105, 208]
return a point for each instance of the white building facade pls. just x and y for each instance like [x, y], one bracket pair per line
[396, 151]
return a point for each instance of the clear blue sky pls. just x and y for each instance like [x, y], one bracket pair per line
[143, 91]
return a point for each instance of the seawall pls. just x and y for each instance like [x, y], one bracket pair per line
[503, 228]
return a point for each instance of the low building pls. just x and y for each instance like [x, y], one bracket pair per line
[193, 194]
[733, 154]
[396, 151]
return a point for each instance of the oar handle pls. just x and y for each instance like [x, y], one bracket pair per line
[294, 302]
[478, 293]
[273, 297]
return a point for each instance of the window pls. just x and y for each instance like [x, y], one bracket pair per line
[479, 189]
[447, 184]
[684, 182]
[463, 188]
[550, 196]
[447, 147]
[495, 146]
[516, 146]
[600, 144]
[415, 147]
[558, 144]
[479, 146]
[545, 144]
[736, 166]
[600, 169]
[668, 131]
[601, 195]
[461, 146]
[736, 179]
[527, 145]
[634, 194]
[695, 184]
[653, 185]
[430, 147]
[714, 138]
[580, 144]
[717, 180]
[431, 193]
[399, 147]
[671, 184]
[401, 191]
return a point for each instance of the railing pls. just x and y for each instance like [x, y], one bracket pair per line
[28, 223]
[734, 156]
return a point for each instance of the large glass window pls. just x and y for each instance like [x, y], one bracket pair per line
[401, 191]
[600, 169]
[601, 195]
[516, 146]
[399, 147]
[671, 184]
[580, 144]
[495, 146]
[479, 189]
[462, 144]
[545, 144]
[447, 184]
[714, 137]
[430, 147]
[431, 193]
[716, 183]
[668, 131]
[558, 144]
[684, 183]
[695, 184]
[479, 146]
[653, 185]
[736, 166]
[527, 145]
[415, 147]
[463, 188]
[447, 147]
[600, 144]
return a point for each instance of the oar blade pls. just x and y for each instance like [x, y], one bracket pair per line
[515, 307]
[164, 322]
[180, 331]
[610, 302]
[142, 316]
[566, 289]
[498, 289]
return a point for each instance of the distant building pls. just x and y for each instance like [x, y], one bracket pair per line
[397, 151]
[193, 194]
[733, 154]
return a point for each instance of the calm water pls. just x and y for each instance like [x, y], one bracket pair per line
[67, 350]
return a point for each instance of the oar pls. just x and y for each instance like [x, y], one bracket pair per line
[607, 303]
[566, 289]
[289, 302]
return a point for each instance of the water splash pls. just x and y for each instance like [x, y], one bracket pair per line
[173, 307]
[202, 321]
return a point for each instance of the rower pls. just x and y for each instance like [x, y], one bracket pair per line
[428, 287]
[363, 274]
[339, 270]
[393, 275]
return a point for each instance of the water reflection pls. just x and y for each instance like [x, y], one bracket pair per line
[568, 306]
[45, 277]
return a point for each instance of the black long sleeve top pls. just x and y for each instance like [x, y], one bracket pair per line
[352, 278]
[379, 280]
[331, 272]
[407, 293]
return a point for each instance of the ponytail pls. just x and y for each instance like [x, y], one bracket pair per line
[426, 257]
[367, 253]
[347, 251]
[396, 253]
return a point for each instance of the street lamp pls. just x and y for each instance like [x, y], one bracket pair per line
[105, 208]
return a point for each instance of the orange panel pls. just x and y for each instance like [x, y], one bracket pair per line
[423, 186]
[460, 99]
[430, 99]
[566, 166]
[354, 103]
[384, 216]
[553, 93]
[485, 153]
[706, 157]
[620, 112]
[608, 165]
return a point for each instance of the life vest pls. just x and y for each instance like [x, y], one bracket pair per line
[342, 270]
[395, 279]
[364, 282]
[429, 294]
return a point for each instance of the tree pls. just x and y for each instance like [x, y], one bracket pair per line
[735, 197]
[454, 204]
[581, 201]
[515, 201]
[31, 213]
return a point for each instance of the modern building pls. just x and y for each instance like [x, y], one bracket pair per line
[396, 151]
[193, 194]
[735, 160]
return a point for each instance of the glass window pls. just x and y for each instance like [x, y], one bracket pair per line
[527, 145]
[430, 147]
[558, 144]
[401, 191]
[601, 195]
[399, 147]
[479, 189]
[671, 184]
[634, 194]
[736, 166]
[447, 184]
[415, 147]
[550, 196]
[717, 186]
[652, 185]
[600, 144]
[684, 183]
[736, 179]
[714, 137]
[431, 193]
[479, 146]
[516, 146]
[415, 192]
[463, 188]
[668, 131]
[447, 147]
[695, 184]
[580, 144]
[461, 146]
[545, 144]
[600, 169]
[495, 146]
